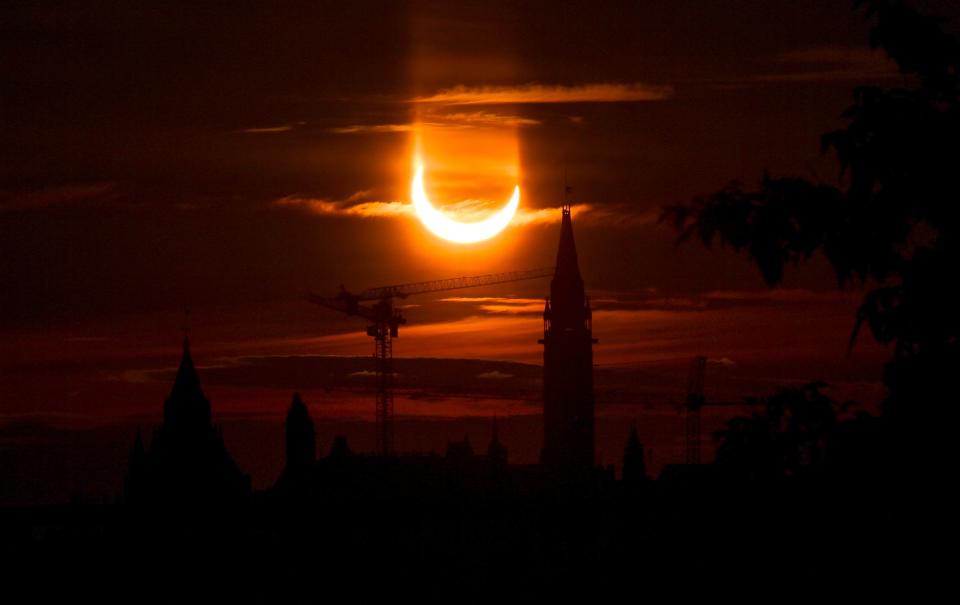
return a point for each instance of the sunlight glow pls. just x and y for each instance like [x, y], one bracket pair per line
[462, 233]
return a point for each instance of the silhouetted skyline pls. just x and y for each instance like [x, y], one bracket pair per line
[137, 184]
[736, 380]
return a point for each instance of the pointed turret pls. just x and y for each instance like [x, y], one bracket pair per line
[187, 406]
[186, 383]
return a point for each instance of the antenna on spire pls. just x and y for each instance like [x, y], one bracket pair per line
[567, 190]
[186, 326]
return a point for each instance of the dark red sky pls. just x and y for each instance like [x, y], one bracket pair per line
[158, 156]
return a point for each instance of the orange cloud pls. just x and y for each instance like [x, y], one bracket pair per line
[373, 128]
[271, 129]
[539, 93]
[439, 120]
[512, 309]
[501, 305]
[485, 118]
[590, 213]
[348, 207]
[358, 206]
[476, 299]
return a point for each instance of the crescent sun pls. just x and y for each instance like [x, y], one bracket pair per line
[447, 228]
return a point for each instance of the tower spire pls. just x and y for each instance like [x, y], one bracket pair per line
[187, 405]
[568, 341]
[567, 265]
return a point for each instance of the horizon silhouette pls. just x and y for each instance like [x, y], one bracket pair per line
[758, 413]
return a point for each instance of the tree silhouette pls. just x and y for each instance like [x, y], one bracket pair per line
[790, 432]
[891, 219]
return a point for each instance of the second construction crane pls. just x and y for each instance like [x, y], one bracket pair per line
[385, 321]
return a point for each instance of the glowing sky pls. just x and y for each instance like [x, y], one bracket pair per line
[156, 157]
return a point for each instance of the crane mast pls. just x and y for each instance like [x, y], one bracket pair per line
[385, 321]
[695, 401]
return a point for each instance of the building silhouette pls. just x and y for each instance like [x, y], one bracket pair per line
[568, 433]
[301, 442]
[301, 447]
[459, 452]
[496, 451]
[187, 464]
[634, 462]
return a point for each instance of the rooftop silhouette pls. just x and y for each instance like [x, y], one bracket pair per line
[187, 465]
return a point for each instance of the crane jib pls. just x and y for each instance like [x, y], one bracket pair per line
[455, 283]
[384, 327]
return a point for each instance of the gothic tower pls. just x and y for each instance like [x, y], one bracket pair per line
[567, 366]
[187, 465]
[187, 409]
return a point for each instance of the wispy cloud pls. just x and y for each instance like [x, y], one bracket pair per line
[56, 195]
[494, 375]
[486, 118]
[272, 129]
[652, 300]
[352, 206]
[830, 63]
[722, 361]
[496, 305]
[863, 58]
[783, 295]
[361, 205]
[617, 214]
[474, 299]
[441, 120]
[541, 93]
[372, 128]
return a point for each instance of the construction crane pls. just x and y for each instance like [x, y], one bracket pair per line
[695, 401]
[385, 321]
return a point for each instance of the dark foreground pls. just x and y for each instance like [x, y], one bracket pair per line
[687, 536]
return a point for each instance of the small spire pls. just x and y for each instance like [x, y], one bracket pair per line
[187, 378]
[567, 250]
[186, 402]
[634, 465]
